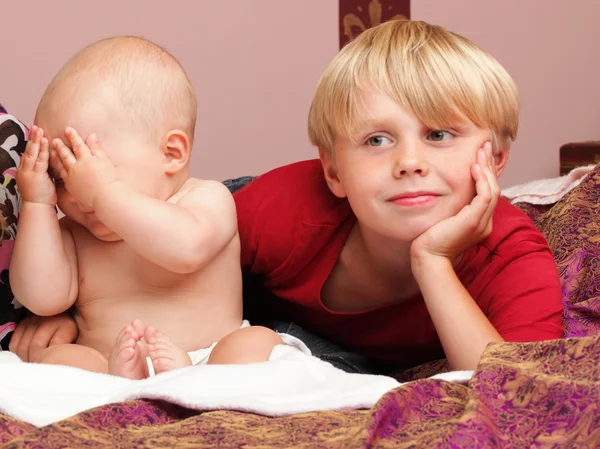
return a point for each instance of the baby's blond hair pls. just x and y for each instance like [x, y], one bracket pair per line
[152, 88]
[439, 76]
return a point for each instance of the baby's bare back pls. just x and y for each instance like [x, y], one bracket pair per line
[117, 285]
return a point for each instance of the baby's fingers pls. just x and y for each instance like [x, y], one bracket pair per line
[94, 146]
[32, 149]
[41, 164]
[64, 153]
[80, 149]
[58, 169]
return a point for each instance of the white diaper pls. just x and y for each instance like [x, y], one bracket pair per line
[200, 356]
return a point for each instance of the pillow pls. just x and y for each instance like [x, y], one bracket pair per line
[13, 135]
[572, 228]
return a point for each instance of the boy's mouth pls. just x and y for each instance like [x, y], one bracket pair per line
[413, 198]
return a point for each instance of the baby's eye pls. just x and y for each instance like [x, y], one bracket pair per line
[439, 135]
[377, 141]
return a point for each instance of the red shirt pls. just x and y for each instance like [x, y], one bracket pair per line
[293, 229]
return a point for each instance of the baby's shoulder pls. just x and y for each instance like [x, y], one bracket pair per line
[200, 187]
[207, 195]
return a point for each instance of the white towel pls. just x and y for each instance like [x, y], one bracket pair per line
[291, 382]
[546, 191]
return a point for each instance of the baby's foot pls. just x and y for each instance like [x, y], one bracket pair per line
[165, 354]
[128, 358]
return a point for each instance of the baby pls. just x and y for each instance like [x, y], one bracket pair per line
[141, 244]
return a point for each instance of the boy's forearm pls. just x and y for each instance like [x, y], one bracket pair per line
[162, 232]
[461, 325]
[40, 273]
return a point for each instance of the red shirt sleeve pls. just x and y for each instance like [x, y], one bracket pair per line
[524, 297]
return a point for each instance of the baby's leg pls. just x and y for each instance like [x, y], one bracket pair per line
[74, 355]
[165, 354]
[248, 345]
[128, 357]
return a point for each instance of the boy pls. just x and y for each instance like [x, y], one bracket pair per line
[395, 245]
[141, 244]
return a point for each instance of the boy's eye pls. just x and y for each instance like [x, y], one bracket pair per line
[377, 141]
[439, 135]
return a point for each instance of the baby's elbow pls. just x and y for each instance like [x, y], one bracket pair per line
[43, 304]
[189, 261]
[198, 255]
[187, 265]
[46, 309]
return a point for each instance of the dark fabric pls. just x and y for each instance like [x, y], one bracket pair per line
[325, 350]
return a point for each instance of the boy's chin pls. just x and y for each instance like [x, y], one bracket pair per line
[411, 231]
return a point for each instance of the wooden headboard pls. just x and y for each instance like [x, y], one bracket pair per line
[577, 154]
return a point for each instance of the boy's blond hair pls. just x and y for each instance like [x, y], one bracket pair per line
[152, 91]
[440, 77]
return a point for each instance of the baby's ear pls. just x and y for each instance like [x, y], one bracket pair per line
[175, 147]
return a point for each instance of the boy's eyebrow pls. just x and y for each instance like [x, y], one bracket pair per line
[371, 123]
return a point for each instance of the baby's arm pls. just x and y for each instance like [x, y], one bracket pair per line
[43, 269]
[181, 237]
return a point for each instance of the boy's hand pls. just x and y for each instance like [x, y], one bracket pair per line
[451, 237]
[85, 169]
[33, 180]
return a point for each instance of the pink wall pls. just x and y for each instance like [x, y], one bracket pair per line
[551, 49]
[255, 64]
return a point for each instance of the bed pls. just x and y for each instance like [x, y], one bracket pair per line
[543, 394]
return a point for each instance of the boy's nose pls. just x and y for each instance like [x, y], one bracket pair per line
[408, 161]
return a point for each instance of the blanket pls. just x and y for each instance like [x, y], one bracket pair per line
[522, 395]
[291, 382]
[546, 191]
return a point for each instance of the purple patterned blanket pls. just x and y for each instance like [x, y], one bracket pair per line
[522, 395]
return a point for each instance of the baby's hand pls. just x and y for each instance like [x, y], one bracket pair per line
[85, 170]
[33, 180]
[451, 237]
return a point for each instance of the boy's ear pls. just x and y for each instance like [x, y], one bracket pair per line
[175, 147]
[331, 176]
[500, 160]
